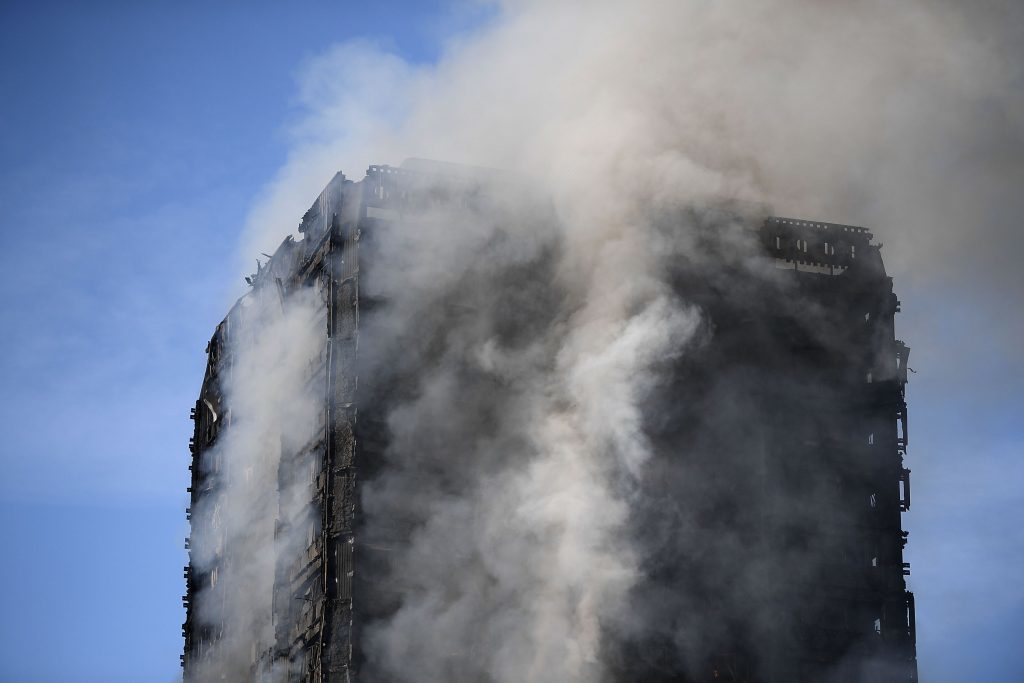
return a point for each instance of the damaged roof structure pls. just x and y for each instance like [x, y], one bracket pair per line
[765, 527]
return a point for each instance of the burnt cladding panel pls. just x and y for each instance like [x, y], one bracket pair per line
[340, 475]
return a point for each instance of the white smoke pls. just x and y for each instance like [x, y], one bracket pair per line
[907, 118]
[273, 404]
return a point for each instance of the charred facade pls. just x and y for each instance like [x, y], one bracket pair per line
[794, 480]
[770, 517]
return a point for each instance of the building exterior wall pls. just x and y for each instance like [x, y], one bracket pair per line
[824, 422]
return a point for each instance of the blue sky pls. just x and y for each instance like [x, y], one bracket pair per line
[134, 140]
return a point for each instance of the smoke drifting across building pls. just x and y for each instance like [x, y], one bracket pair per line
[424, 451]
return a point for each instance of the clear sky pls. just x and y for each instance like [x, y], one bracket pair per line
[134, 140]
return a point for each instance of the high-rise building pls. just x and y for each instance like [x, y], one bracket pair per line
[768, 523]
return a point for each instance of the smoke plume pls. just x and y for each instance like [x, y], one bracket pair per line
[526, 498]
